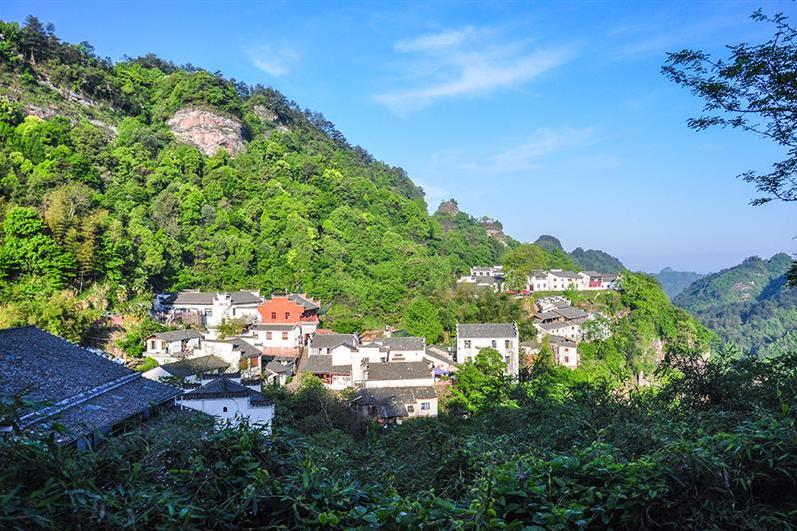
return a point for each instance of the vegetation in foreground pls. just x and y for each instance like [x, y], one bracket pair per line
[716, 447]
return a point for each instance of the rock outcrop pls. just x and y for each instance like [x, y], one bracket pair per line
[269, 116]
[208, 131]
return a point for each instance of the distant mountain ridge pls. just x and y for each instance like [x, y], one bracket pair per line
[748, 304]
[674, 282]
[589, 260]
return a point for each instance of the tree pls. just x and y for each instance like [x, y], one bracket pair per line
[754, 89]
[482, 382]
[422, 318]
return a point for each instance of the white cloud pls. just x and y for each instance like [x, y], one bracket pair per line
[274, 61]
[466, 62]
[435, 41]
[530, 154]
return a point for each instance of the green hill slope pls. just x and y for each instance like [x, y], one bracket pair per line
[586, 260]
[97, 182]
[748, 304]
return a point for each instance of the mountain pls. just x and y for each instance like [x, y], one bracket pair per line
[118, 180]
[589, 260]
[674, 282]
[748, 304]
[121, 179]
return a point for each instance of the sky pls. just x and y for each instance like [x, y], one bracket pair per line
[552, 117]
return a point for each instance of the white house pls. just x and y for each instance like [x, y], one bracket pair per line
[328, 344]
[491, 276]
[239, 354]
[278, 339]
[188, 371]
[568, 329]
[230, 401]
[391, 405]
[442, 361]
[503, 337]
[171, 346]
[335, 377]
[399, 374]
[278, 369]
[409, 348]
[565, 352]
[207, 308]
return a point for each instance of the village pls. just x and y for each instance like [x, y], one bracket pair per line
[226, 348]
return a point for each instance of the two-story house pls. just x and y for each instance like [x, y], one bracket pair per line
[207, 309]
[175, 345]
[503, 337]
[294, 308]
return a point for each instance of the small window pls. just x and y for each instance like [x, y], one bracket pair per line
[467, 343]
[274, 315]
[224, 409]
[507, 344]
[285, 336]
[567, 359]
[426, 406]
[233, 312]
[208, 311]
[268, 336]
[287, 315]
[493, 343]
[410, 409]
[506, 360]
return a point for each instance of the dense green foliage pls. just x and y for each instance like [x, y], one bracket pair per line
[136, 212]
[716, 447]
[749, 305]
[596, 260]
[579, 259]
[524, 259]
[674, 282]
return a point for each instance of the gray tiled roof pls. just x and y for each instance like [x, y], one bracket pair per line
[206, 297]
[406, 395]
[547, 316]
[565, 274]
[404, 370]
[277, 327]
[571, 313]
[439, 354]
[332, 340]
[307, 303]
[563, 341]
[75, 387]
[178, 335]
[403, 343]
[247, 350]
[322, 364]
[277, 367]
[482, 330]
[555, 326]
[195, 366]
[224, 388]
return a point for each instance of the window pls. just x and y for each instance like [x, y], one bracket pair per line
[507, 344]
[493, 343]
[287, 315]
[268, 336]
[467, 343]
[224, 409]
[567, 359]
[426, 406]
[274, 315]
[284, 336]
[208, 311]
[233, 312]
[506, 360]
[410, 409]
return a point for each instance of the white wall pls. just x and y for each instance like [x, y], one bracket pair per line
[417, 382]
[235, 408]
[465, 354]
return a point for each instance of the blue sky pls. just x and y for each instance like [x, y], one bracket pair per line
[550, 116]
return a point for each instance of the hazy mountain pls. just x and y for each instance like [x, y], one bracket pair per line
[748, 304]
[674, 282]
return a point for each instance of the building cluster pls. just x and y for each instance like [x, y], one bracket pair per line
[541, 281]
[393, 377]
[563, 326]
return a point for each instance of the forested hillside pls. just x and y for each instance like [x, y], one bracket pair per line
[101, 201]
[111, 197]
[674, 282]
[749, 305]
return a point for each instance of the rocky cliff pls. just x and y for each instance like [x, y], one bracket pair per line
[208, 131]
